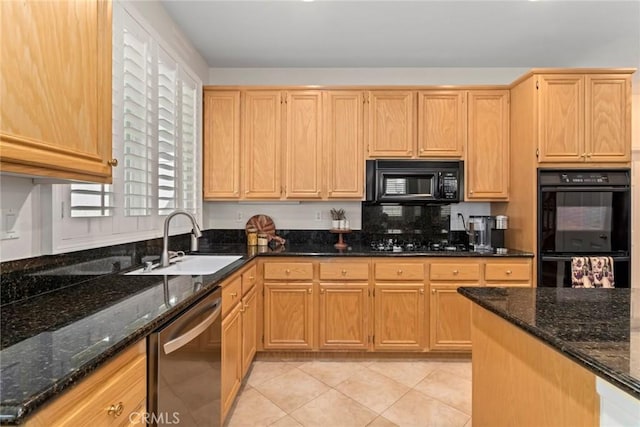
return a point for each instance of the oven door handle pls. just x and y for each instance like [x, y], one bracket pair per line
[578, 189]
[187, 337]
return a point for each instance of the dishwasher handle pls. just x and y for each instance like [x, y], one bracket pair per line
[179, 342]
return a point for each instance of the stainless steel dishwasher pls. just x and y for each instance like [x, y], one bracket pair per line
[184, 367]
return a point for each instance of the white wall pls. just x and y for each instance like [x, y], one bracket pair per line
[363, 76]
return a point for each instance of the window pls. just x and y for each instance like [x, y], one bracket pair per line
[156, 137]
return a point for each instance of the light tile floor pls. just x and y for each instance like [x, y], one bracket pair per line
[329, 393]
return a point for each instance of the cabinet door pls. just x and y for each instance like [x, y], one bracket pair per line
[262, 144]
[55, 87]
[288, 316]
[487, 165]
[561, 118]
[249, 323]
[344, 322]
[344, 142]
[442, 123]
[450, 318]
[231, 358]
[399, 316]
[608, 118]
[221, 147]
[304, 144]
[391, 127]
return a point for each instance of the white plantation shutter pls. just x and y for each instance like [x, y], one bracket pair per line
[189, 145]
[137, 120]
[91, 200]
[167, 132]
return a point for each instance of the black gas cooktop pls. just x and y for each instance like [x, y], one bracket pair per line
[395, 245]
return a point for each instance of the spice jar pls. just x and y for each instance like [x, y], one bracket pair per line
[252, 237]
[262, 239]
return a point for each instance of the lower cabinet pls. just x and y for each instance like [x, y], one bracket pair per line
[450, 318]
[249, 324]
[344, 316]
[288, 316]
[114, 395]
[399, 316]
[231, 357]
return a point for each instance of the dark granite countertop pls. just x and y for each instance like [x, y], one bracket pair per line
[593, 327]
[58, 324]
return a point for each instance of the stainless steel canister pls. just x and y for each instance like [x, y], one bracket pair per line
[502, 222]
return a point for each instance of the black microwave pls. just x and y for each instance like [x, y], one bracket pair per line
[414, 181]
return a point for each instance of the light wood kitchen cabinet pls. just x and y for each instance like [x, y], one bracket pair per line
[288, 316]
[344, 144]
[450, 319]
[303, 145]
[399, 316]
[249, 324]
[450, 312]
[442, 123]
[55, 86]
[584, 118]
[231, 370]
[221, 144]
[108, 397]
[344, 316]
[261, 135]
[391, 118]
[487, 160]
[398, 305]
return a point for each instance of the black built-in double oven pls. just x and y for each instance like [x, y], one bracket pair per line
[583, 213]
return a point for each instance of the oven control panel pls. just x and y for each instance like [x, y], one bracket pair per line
[584, 178]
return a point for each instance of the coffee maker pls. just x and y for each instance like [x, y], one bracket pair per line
[486, 233]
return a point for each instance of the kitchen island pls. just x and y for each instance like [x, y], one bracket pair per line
[554, 356]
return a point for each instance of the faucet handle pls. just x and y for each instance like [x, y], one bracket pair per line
[148, 266]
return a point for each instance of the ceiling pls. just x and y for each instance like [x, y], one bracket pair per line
[517, 33]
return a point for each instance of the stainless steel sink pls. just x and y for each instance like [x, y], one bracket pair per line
[193, 265]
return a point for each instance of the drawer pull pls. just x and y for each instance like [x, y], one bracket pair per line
[322, 291]
[116, 410]
[113, 162]
[251, 278]
[344, 272]
[310, 291]
[399, 272]
[233, 294]
[287, 271]
[433, 291]
[421, 291]
[455, 272]
[509, 271]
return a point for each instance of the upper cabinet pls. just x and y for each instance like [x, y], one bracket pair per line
[487, 162]
[344, 144]
[262, 144]
[55, 86]
[221, 152]
[442, 123]
[303, 144]
[584, 118]
[391, 119]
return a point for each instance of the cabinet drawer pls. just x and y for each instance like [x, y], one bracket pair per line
[344, 271]
[399, 271]
[288, 271]
[511, 271]
[248, 279]
[455, 272]
[231, 294]
[107, 397]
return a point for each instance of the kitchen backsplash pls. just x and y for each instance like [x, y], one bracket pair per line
[308, 215]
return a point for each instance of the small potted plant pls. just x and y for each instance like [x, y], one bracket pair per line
[337, 215]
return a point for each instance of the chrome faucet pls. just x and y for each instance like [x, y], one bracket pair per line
[195, 233]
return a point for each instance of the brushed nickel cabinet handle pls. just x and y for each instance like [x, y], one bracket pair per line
[113, 163]
[116, 410]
